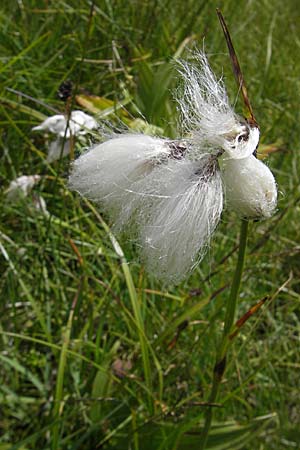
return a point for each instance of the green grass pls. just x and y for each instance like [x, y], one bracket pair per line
[94, 352]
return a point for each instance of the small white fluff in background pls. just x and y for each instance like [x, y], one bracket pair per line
[21, 186]
[79, 124]
[169, 193]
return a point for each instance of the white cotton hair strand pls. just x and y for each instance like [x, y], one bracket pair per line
[181, 223]
[250, 188]
[207, 115]
[172, 204]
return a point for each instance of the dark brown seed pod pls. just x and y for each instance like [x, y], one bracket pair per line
[65, 90]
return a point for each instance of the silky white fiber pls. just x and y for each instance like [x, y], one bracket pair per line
[168, 194]
[207, 114]
[177, 231]
[108, 171]
[173, 205]
[250, 187]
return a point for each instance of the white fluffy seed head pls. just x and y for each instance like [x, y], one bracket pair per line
[169, 194]
[175, 236]
[110, 168]
[110, 172]
[250, 187]
[206, 113]
[55, 124]
[79, 123]
[146, 184]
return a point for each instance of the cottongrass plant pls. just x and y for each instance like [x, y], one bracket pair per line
[79, 124]
[169, 194]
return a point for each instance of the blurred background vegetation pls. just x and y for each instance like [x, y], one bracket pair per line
[94, 352]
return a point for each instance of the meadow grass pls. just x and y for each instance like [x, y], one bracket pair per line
[95, 353]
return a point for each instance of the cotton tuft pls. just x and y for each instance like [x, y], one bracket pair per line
[207, 115]
[168, 194]
[250, 188]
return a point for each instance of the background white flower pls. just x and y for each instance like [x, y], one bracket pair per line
[21, 188]
[79, 124]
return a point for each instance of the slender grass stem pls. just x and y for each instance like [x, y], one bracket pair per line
[220, 365]
[232, 302]
[58, 399]
[135, 306]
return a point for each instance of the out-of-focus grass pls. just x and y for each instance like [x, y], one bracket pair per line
[94, 352]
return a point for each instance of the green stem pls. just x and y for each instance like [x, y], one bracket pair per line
[231, 305]
[220, 365]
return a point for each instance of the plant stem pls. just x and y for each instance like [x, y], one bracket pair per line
[220, 365]
[135, 305]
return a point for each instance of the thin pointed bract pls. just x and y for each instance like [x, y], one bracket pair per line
[237, 69]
